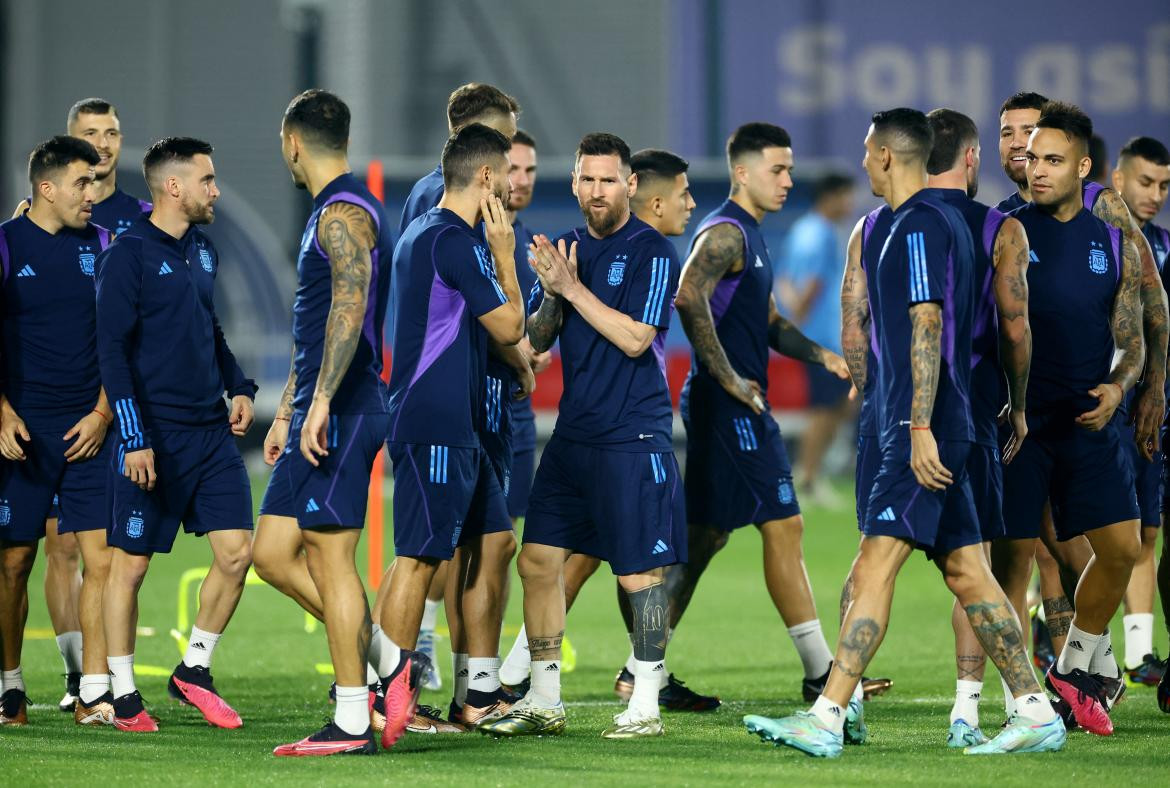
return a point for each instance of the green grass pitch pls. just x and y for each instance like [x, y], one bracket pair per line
[731, 643]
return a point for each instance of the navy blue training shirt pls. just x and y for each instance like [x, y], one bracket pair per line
[119, 211]
[361, 389]
[928, 257]
[50, 319]
[164, 361]
[874, 233]
[610, 399]
[424, 195]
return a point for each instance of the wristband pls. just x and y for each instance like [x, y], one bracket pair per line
[106, 419]
[281, 418]
[919, 428]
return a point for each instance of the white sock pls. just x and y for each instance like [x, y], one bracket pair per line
[200, 647]
[858, 693]
[647, 677]
[12, 679]
[1078, 650]
[630, 661]
[1103, 663]
[1036, 707]
[966, 706]
[484, 674]
[430, 615]
[518, 662]
[461, 671]
[829, 713]
[69, 644]
[121, 675]
[371, 674]
[1139, 637]
[546, 683]
[389, 654]
[812, 648]
[374, 655]
[1009, 701]
[352, 712]
[664, 674]
[93, 686]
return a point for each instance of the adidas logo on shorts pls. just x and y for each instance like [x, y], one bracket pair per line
[659, 548]
[312, 506]
[887, 515]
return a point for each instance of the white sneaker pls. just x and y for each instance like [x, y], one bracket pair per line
[628, 726]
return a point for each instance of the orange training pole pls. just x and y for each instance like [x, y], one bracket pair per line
[376, 520]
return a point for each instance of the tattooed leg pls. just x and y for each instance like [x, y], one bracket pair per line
[970, 660]
[703, 542]
[541, 569]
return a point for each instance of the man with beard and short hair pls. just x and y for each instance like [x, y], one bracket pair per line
[608, 483]
[166, 366]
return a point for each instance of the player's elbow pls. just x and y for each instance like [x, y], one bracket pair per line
[509, 328]
[639, 342]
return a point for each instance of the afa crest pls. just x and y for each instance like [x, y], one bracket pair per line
[205, 260]
[86, 259]
[617, 270]
[1098, 262]
[134, 525]
[5, 513]
[784, 492]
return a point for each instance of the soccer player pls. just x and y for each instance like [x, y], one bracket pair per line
[1142, 178]
[96, 121]
[166, 366]
[53, 412]
[922, 295]
[1088, 351]
[737, 469]
[1001, 299]
[491, 107]
[332, 417]
[452, 294]
[608, 482]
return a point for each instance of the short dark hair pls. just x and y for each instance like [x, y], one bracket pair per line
[321, 118]
[831, 183]
[522, 137]
[953, 132]
[904, 130]
[1025, 99]
[1099, 156]
[90, 106]
[1068, 118]
[754, 137]
[469, 149]
[653, 164]
[172, 149]
[474, 100]
[57, 153]
[1146, 148]
[601, 143]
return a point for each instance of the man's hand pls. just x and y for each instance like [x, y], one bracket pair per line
[242, 415]
[314, 440]
[12, 430]
[497, 229]
[139, 468]
[1019, 424]
[925, 462]
[556, 267]
[746, 391]
[835, 364]
[539, 361]
[1148, 409]
[275, 440]
[1108, 397]
[90, 432]
[527, 382]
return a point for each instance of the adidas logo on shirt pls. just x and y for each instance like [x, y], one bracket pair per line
[887, 515]
[659, 548]
[759, 262]
[1032, 258]
[165, 269]
[312, 506]
[27, 271]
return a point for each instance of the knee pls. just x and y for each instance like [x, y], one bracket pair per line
[785, 535]
[537, 566]
[17, 562]
[269, 564]
[97, 569]
[234, 561]
[63, 552]
[127, 571]
[1149, 541]
[503, 546]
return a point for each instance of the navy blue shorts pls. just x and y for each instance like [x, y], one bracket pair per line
[1085, 475]
[623, 507]
[869, 461]
[202, 483]
[336, 491]
[520, 488]
[1147, 478]
[496, 437]
[44, 485]
[936, 522]
[444, 496]
[737, 468]
[825, 390]
[986, 472]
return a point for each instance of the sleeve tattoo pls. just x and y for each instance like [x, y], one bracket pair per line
[925, 352]
[1011, 299]
[855, 312]
[1127, 322]
[347, 234]
[284, 410]
[719, 250]
[545, 323]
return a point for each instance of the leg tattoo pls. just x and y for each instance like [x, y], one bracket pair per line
[649, 606]
[857, 647]
[545, 647]
[1058, 612]
[846, 596]
[998, 630]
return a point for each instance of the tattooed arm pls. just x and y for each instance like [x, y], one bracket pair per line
[718, 252]
[545, 323]
[284, 409]
[1011, 300]
[855, 310]
[925, 355]
[277, 436]
[788, 340]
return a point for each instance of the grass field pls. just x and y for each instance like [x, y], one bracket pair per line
[731, 643]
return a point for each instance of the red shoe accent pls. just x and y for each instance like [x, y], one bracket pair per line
[304, 747]
[1089, 712]
[139, 723]
[401, 703]
[213, 708]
